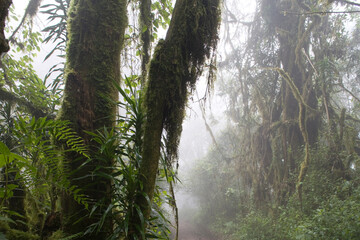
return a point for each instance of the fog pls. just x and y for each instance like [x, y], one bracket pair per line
[196, 139]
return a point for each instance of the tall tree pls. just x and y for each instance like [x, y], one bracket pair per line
[176, 65]
[96, 32]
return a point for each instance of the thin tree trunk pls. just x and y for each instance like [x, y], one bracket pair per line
[146, 29]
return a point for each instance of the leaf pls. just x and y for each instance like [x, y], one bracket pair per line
[5, 155]
[4, 149]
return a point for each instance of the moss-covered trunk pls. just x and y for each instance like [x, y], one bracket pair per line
[174, 69]
[96, 30]
[297, 92]
[4, 9]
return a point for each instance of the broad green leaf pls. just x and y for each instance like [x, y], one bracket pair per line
[4, 149]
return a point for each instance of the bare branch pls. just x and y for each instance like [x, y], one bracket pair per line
[350, 3]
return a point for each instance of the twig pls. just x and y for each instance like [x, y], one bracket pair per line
[320, 12]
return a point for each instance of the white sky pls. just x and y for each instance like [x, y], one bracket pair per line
[39, 23]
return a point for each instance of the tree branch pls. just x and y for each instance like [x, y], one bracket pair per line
[319, 12]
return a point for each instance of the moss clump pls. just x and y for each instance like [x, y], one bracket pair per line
[57, 235]
[178, 62]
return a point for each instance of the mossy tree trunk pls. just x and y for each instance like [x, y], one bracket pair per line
[4, 9]
[174, 69]
[96, 31]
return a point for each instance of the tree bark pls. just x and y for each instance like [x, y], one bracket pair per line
[96, 33]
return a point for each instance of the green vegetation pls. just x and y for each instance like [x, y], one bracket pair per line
[91, 151]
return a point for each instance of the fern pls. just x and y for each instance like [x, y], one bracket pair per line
[123, 146]
[44, 159]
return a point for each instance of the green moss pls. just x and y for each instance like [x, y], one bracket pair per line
[4, 9]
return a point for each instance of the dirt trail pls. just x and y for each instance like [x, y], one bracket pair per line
[190, 231]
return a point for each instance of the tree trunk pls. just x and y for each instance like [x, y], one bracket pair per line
[96, 32]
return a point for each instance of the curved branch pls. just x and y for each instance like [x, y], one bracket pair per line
[320, 12]
[31, 10]
[33, 110]
[303, 107]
